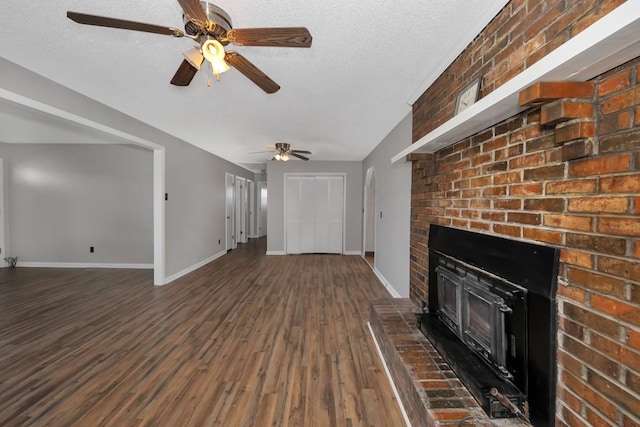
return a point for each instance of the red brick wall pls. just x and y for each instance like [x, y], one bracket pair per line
[508, 180]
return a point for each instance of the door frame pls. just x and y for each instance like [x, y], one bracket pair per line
[344, 203]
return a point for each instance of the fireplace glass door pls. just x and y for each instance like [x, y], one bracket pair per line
[483, 325]
[450, 291]
[478, 315]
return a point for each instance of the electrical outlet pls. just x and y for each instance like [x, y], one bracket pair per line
[91, 249]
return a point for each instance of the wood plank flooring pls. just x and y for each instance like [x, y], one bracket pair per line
[247, 340]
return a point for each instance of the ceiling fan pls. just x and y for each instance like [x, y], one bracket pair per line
[211, 27]
[284, 152]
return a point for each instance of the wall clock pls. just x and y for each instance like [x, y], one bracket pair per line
[469, 95]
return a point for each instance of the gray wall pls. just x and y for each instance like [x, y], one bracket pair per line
[194, 177]
[275, 191]
[64, 198]
[393, 188]
[195, 212]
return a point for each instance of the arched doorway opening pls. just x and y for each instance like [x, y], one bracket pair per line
[369, 220]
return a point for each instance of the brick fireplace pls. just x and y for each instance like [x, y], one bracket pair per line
[572, 184]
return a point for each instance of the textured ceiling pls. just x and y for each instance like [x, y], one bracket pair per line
[369, 60]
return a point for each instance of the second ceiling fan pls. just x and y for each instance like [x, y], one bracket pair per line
[211, 27]
[284, 152]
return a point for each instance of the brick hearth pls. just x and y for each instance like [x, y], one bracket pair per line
[431, 393]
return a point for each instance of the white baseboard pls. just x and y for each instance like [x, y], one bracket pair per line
[194, 267]
[284, 253]
[82, 265]
[386, 370]
[386, 284]
[359, 253]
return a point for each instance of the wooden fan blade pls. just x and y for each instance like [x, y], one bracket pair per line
[193, 10]
[279, 37]
[301, 151]
[102, 21]
[252, 72]
[298, 156]
[184, 75]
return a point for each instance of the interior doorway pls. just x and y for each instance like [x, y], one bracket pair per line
[369, 220]
[159, 169]
[230, 192]
[262, 208]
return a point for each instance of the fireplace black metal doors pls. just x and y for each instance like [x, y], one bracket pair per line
[491, 314]
[487, 314]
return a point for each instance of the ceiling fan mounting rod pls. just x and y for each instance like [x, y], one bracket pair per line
[194, 38]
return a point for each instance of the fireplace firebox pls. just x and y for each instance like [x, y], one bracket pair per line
[491, 315]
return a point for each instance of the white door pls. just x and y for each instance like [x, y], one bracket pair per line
[314, 209]
[329, 214]
[293, 213]
[251, 187]
[262, 217]
[241, 210]
[244, 206]
[3, 248]
[231, 211]
[300, 214]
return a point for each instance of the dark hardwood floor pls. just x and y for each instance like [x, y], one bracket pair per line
[247, 340]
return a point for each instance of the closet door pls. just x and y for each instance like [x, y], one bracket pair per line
[314, 211]
[300, 214]
[328, 214]
[293, 212]
[307, 217]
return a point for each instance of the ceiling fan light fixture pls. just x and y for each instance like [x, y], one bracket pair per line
[213, 51]
[194, 58]
[284, 157]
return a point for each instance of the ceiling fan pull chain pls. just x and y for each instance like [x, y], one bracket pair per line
[209, 76]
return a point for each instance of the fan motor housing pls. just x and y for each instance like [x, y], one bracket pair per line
[215, 14]
[282, 147]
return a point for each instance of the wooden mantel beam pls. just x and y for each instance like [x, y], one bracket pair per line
[543, 92]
